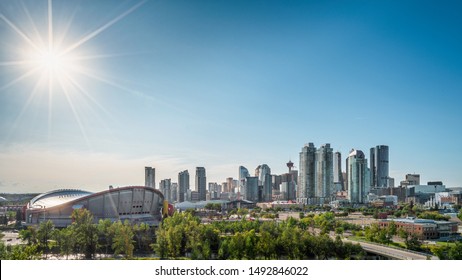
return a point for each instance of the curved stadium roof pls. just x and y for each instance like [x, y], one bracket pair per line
[56, 197]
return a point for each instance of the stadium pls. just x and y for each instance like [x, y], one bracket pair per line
[138, 204]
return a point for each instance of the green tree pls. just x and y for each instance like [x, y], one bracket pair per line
[123, 242]
[66, 241]
[143, 236]
[24, 252]
[29, 235]
[455, 253]
[44, 233]
[413, 243]
[106, 233]
[86, 232]
[174, 236]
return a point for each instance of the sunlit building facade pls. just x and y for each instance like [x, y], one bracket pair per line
[357, 177]
[138, 204]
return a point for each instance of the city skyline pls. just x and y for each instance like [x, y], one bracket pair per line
[179, 84]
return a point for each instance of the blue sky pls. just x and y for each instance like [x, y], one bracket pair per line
[180, 84]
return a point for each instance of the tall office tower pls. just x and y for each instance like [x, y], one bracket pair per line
[324, 173]
[150, 177]
[214, 191]
[306, 176]
[276, 181]
[165, 188]
[345, 180]
[379, 166]
[243, 174]
[183, 185]
[251, 189]
[357, 177]
[264, 182]
[201, 183]
[338, 178]
[229, 183]
[224, 186]
[174, 192]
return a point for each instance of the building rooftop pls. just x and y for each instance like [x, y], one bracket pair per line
[56, 197]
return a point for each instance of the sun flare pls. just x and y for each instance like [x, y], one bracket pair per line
[57, 64]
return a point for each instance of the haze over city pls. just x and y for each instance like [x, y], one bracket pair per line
[91, 93]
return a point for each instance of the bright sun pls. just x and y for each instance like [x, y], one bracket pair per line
[50, 61]
[54, 61]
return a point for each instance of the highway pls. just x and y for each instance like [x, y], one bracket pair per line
[394, 253]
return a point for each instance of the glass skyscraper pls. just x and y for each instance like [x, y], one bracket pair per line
[201, 183]
[183, 185]
[324, 173]
[357, 177]
[150, 177]
[379, 166]
[315, 178]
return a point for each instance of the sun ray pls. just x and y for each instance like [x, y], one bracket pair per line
[50, 26]
[74, 112]
[58, 40]
[50, 104]
[102, 28]
[20, 78]
[19, 32]
[46, 49]
[98, 56]
[16, 62]
[94, 101]
[34, 28]
[114, 84]
[26, 105]
[88, 95]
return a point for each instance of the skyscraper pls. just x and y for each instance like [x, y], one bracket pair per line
[174, 192]
[150, 177]
[357, 177]
[201, 183]
[338, 178]
[288, 183]
[183, 185]
[306, 175]
[263, 172]
[324, 174]
[251, 189]
[243, 174]
[165, 188]
[379, 166]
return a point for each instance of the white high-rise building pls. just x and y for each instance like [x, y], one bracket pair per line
[358, 180]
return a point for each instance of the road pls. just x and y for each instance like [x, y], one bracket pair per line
[391, 252]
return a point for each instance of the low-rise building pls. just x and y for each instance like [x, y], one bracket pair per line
[425, 229]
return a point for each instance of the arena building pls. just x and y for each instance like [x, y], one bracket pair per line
[138, 204]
